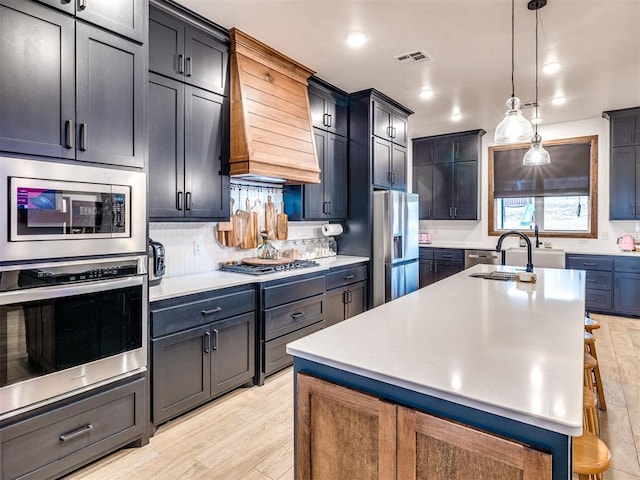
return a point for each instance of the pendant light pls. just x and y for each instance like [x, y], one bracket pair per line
[536, 155]
[513, 128]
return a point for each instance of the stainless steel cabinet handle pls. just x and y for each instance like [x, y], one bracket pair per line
[68, 134]
[329, 207]
[349, 297]
[188, 67]
[179, 201]
[349, 277]
[180, 64]
[188, 201]
[429, 215]
[84, 430]
[206, 342]
[65, 1]
[345, 296]
[213, 310]
[451, 211]
[297, 315]
[589, 264]
[215, 339]
[84, 141]
[455, 211]
[329, 116]
[82, 4]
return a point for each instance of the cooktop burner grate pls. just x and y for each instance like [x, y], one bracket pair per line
[239, 267]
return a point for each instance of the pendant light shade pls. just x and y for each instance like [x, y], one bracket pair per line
[536, 155]
[513, 128]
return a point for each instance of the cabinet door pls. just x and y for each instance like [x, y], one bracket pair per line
[622, 202]
[624, 129]
[37, 98]
[125, 17]
[206, 60]
[423, 186]
[317, 107]
[442, 270]
[335, 306]
[342, 433]
[356, 299]
[625, 294]
[432, 448]
[465, 185]
[382, 120]
[166, 44]
[399, 132]
[335, 177]
[443, 151]
[206, 190]
[166, 146]
[314, 202]
[382, 155]
[466, 148]
[422, 152]
[399, 168]
[426, 272]
[336, 108]
[110, 98]
[233, 346]
[181, 372]
[443, 191]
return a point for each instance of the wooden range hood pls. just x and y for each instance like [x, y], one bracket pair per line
[271, 132]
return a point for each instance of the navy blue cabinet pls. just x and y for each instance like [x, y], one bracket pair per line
[439, 263]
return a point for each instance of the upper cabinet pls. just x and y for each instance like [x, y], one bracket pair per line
[624, 202]
[389, 123]
[188, 130]
[188, 54]
[445, 175]
[326, 200]
[124, 17]
[77, 94]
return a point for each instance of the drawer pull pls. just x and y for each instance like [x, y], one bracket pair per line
[76, 433]
[589, 264]
[206, 342]
[215, 339]
[634, 267]
[213, 310]
[447, 255]
[590, 299]
[297, 315]
[349, 277]
[592, 279]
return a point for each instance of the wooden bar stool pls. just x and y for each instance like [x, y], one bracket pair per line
[590, 348]
[591, 457]
[590, 324]
[589, 364]
[589, 404]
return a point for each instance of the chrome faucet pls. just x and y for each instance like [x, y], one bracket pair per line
[526, 239]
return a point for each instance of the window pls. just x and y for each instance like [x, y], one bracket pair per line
[561, 198]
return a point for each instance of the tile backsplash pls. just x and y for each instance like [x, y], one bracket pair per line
[193, 248]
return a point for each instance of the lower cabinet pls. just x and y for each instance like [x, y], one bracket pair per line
[193, 365]
[626, 287]
[346, 293]
[343, 433]
[439, 263]
[63, 438]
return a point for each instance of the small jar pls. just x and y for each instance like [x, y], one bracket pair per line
[266, 249]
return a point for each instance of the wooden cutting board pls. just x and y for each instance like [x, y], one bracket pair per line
[244, 224]
[251, 236]
[283, 224]
[270, 217]
[265, 261]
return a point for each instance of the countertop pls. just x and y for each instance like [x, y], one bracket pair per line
[511, 349]
[587, 250]
[203, 282]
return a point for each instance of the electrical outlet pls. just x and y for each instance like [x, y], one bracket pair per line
[605, 235]
[196, 247]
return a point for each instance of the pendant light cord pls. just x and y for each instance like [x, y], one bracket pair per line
[513, 62]
[537, 118]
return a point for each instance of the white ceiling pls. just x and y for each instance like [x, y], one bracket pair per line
[596, 41]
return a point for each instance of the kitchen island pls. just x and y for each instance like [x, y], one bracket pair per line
[497, 359]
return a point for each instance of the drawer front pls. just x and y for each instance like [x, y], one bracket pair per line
[42, 446]
[586, 262]
[293, 316]
[449, 255]
[346, 276]
[631, 265]
[425, 253]
[200, 312]
[598, 280]
[281, 293]
[598, 300]
[275, 351]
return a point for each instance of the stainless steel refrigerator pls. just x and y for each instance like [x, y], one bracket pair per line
[395, 245]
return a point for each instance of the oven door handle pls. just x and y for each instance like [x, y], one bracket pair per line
[60, 291]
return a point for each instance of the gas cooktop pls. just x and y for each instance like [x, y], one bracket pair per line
[240, 267]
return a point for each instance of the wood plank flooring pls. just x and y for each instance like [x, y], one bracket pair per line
[248, 434]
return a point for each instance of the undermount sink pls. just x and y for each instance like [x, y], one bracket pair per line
[541, 257]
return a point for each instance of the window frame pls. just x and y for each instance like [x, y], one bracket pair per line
[593, 187]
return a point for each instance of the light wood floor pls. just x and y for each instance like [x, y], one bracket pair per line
[248, 434]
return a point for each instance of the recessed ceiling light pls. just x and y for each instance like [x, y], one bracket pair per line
[426, 93]
[551, 68]
[559, 100]
[356, 39]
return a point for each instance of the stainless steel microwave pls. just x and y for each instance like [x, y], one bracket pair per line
[58, 210]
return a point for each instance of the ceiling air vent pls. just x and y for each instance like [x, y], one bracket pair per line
[413, 58]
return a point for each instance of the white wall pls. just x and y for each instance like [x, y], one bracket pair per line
[475, 232]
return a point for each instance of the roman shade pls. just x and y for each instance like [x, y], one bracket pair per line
[567, 174]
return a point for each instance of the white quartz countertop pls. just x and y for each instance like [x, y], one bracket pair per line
[511, 349]
[610, 249]
[203, 282]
